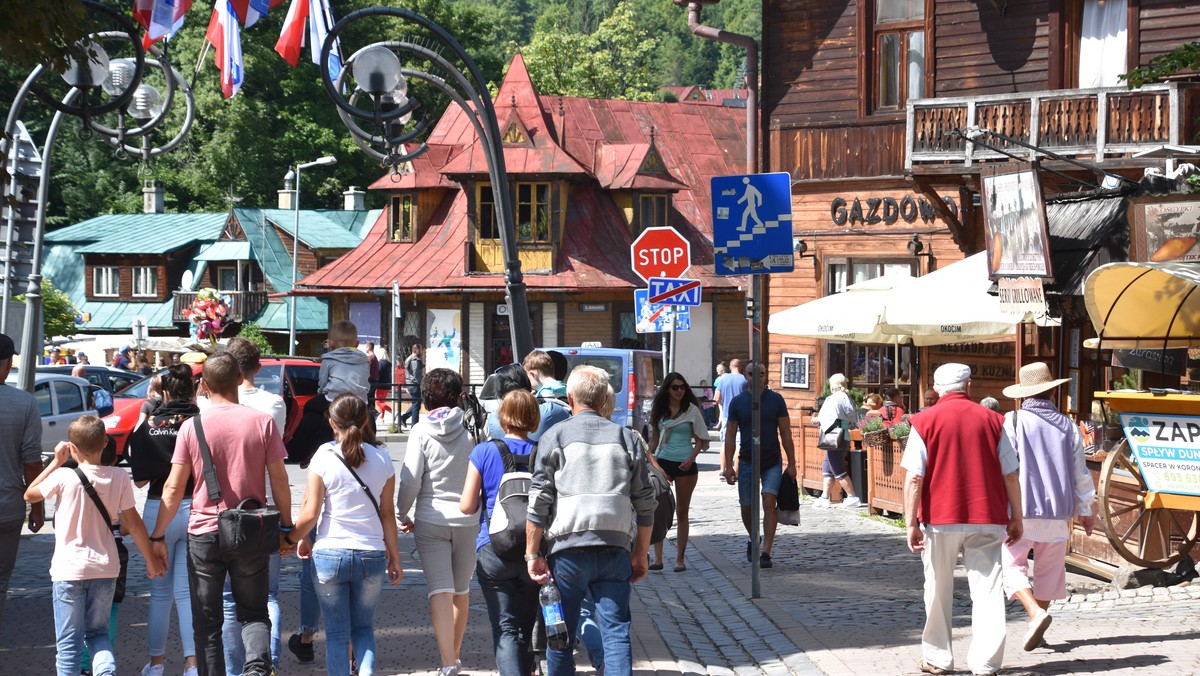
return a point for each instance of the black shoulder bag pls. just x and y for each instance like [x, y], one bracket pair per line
[370, 495]
[249, 528]
[122, 551]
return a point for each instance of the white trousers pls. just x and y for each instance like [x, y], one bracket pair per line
[981, 557]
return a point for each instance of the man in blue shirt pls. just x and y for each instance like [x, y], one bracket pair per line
[775, 442]
[728, 386]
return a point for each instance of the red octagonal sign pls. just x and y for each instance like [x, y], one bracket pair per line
[660, 252]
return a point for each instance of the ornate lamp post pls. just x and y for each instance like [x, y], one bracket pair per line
[121, 80]
[380, 75]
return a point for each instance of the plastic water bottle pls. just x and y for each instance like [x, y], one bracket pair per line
[552, 616]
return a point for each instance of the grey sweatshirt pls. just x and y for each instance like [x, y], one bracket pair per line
[590, 483]
[343, 370]
[435, 468]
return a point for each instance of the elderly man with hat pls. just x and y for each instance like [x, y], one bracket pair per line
[1055, 486]
[961, 495]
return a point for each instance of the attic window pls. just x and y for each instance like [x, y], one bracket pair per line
[533, 212]
[653, 210]
[653, 163]
[515, 133]
[233, 230]
[402, 225]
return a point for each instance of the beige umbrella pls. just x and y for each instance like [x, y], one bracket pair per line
[854, 315]
[1144, 305]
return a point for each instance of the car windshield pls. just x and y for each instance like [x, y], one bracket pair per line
[137, 390]
[614, 366]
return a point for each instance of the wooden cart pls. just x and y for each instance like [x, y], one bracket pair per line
[1149, 487]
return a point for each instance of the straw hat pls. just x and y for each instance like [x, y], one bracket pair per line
[1034, 379]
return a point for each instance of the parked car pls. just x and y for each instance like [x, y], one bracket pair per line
[60, 399]
[105, 377]
[293, 378]
[633, 374]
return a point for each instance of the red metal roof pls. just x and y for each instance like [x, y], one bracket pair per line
[422, 172]
[601, 141]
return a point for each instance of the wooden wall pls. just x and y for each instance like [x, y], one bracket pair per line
[977, 51]
[1163, 25]
[810, 61]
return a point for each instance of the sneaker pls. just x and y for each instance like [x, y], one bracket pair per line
[1037, 627]
[851, 502]
[822, 503]
[764, 561]
[451, 670]
[153, 669]
[303, 651]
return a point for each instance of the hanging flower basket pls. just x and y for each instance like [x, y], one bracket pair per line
[873, 431]
[899, 433]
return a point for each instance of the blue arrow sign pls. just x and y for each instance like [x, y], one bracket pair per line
[667, 291]
[752, 223]
[657, 318]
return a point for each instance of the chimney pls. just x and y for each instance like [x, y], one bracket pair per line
[152, 197]
[355, 199]
[287, 196]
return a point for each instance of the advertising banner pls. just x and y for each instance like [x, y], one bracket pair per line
[1167, 449]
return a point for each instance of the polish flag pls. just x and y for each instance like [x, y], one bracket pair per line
[291, 38]
[226, 40]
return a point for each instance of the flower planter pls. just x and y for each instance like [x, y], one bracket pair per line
[886, 477]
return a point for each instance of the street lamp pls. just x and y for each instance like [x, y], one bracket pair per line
[379, 73]
[326, 161]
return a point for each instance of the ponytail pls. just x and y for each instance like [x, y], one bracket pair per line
[351, 427]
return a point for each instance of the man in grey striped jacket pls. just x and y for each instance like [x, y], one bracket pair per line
[590, 485]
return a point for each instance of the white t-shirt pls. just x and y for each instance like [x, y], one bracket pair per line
[348, 519]
[259, 400]
[84, 548]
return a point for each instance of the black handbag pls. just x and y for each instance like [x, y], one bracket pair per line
[249, 528]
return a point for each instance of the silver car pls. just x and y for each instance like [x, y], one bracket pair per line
[60, 399]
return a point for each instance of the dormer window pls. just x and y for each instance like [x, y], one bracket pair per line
[403, 218]
[145, 282]
[653, 209]
[533, 212]
[486, 214]
[105, 282]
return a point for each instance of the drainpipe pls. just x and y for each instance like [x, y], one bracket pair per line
[746, 42]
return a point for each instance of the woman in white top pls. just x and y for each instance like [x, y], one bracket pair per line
[356, 541]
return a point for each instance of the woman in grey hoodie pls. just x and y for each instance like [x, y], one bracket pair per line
[431, 483]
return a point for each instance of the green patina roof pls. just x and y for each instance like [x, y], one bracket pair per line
[119, 315]
[225, 251]
[312, 314]
[139, 233]
[325, 228]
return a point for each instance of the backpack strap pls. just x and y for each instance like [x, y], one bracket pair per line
[511, 460]
[210, 472]
[91, 491]
[370, 495]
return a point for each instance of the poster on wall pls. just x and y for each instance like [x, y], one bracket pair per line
[1018, 244]
[794, 370]
[443, 344]
[1165, 228]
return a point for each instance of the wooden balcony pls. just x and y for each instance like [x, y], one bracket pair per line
[244, 305]
[1098, 124]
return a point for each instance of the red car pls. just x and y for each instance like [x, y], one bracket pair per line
[293, 378]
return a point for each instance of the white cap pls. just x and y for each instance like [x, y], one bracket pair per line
[951, 374]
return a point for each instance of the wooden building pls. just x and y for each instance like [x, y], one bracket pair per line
[587, 176]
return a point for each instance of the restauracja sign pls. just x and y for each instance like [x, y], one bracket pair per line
[886, 210]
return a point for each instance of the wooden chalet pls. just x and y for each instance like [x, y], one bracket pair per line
[587, 176]
[860, 101]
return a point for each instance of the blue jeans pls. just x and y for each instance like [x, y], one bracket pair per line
[413, 414]
[512, 604]
[603, 574]
[231, 630]
[81, 614]
[589, 633]
[173, 586]
[349, 582]
[771, 477]
[310, 609]
[208, 568]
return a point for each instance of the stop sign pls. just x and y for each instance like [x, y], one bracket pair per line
[660, 252]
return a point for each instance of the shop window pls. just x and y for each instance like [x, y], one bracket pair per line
[533, 212]
[145, 281]
[105, 282]
[898, 41]
[485, 213]
[845, 272]
[403, 218]
[653, 210]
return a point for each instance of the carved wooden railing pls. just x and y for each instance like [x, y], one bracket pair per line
[1097, 123]
[244, 305]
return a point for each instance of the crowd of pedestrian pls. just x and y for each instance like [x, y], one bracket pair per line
[990, 487]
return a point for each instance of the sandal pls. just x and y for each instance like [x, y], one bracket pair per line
[656, 566]
[928, 668]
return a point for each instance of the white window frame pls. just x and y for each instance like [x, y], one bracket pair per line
[106, 281]
[145, 276]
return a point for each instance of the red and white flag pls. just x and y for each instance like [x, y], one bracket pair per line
[291, 38]
[226, 40]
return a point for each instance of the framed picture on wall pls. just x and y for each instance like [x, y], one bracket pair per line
[1164, 228]
[1018, 243]
[794, 370]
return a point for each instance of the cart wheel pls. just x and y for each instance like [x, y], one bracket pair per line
[1151, 538]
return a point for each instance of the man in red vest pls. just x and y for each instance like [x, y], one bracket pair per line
[962, 494]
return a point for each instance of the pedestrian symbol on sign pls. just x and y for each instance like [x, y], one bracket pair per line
[753, 198]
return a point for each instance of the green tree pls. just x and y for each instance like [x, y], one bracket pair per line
[45, 30]
[253, 333]
[1185, 57]
[58, 314]
[613, 62]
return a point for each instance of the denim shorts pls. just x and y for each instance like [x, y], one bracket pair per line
[771, 476]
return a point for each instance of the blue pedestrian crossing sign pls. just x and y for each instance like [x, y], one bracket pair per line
[752, 223]
[657, 318]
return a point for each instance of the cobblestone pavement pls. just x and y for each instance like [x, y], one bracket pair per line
[844, 597]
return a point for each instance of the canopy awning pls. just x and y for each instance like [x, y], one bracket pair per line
[225, 250]
[854, 315]
[1144, 305]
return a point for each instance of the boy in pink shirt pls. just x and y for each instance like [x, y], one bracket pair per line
[85, 565]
